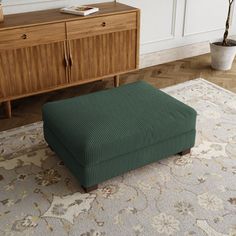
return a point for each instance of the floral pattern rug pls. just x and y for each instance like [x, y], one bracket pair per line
[192, 195]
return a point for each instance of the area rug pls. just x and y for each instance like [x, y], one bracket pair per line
[192, 195]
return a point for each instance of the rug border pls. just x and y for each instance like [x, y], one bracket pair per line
[196, 80]
[17, 130]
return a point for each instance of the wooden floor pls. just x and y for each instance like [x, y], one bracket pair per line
[28, 110]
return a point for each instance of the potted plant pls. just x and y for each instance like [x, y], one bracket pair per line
[223, 53]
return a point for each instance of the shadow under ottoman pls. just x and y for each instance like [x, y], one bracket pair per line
[104, 134]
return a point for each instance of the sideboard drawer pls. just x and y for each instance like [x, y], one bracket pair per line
[101, 25]
[30, 36]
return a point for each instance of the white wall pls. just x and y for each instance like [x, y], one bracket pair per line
[173, 23]
[165, 24]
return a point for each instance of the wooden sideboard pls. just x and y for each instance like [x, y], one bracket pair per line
[48, 50]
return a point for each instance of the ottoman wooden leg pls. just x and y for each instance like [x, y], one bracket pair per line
[90, 189]
[185, 152]
[51, 148]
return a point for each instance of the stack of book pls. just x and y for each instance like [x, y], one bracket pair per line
[80, 10]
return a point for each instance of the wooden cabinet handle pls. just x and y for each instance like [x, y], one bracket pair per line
[103, 24]
[66, 58]
[24, 36]
[66, 61]
[70, 56]
[71, 61]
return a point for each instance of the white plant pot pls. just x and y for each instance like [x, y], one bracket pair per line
[222, 57]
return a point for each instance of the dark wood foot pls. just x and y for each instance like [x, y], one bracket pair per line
[185, 152]
[7, 108]
[90, 189]
[51, 148]
[117, 81]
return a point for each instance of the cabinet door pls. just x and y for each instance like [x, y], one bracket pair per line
[33, 69]
[32, 60]
[102, 55]
[102, 46]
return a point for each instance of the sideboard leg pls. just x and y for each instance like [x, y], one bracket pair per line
[7, 108]
[116, 81]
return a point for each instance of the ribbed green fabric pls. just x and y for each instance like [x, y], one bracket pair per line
[91, 175]
[102, 126]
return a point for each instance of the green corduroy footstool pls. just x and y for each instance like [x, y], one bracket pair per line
[104, 134]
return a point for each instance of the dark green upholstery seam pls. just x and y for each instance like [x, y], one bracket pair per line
[136, 150]
[114, 157]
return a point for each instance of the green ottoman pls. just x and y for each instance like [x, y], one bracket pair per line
[104, 134]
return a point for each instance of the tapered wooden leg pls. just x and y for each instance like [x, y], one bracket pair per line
[7, 108]
[90, 189]
[116, 81]
[185, 152]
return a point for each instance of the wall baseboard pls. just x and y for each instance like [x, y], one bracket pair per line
[156, 58]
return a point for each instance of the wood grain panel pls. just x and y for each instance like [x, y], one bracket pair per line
[30, 36]
[54, 15]
[28, 70]
[102, 55]
[101, 25]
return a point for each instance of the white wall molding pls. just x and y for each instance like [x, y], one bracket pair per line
[203, 32]
[159, 40]
[158, 21]
[185, 34]
[13, 6]
[206, 8]
[11, 3]
[173, 54]
[173, 27]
